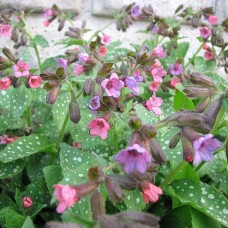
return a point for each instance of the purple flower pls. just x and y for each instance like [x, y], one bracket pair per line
[176, 69]
[95, 103]
[133, 83]
[113, 85]
[135, 11]
[134, 157]
[205, 32]
[83, 57]
[155, 30]
[204, 148]
[61, 62]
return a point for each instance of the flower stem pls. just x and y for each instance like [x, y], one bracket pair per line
[110, 166]
[172, 174]
[191, 60]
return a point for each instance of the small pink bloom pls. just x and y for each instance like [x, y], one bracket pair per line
[205, 32]
[5, 30]
[174, 82]
[176, 69]
[99, 127]
[106, 39]
[79, 69]
[77, 48]
[66, 195]
[6, 140]
[21, 69]
[27, 202]
[150, 193]
[48, 13]
[154, 86]
[157, 71]
[102, 50]
[213, 19]
[205, 47]
[158, 52]
[76, 144]
[83, 57]
[153, 104]
[5, 83]
[113, 85]
[46, 23]
[35, 81]
[61, 62]
[208, 55]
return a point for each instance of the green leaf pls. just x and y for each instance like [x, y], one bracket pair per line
[203, 197]
[52, 175]
[225, 104]
[49, 63]
[41, 41]
[10, 169]
[134, 200]
[28, 223]
[182, 101]
[71, 41]
[23, 147]
[203, 65]
[6, 201]
[26, 55]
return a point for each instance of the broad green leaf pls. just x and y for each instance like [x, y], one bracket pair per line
[23, 147]
[28, 223]
[203, 197]
[52, 175]
[182, 101]
[6, 201]
[203, 65]
[41, 41]
[134, 200]
[10, 169]
[218, 80]
[71, 41]
[26, 55]
[49, 63]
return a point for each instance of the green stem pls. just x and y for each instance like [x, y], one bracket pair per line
[115, 140]
[172, 174]
[191, 60]
[37, 55]
[28, 115]
[110, 166]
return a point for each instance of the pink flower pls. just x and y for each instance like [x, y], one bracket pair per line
[157, 71]
[48, 13]
[106, 39]
[113, 85]
[46, 23]
[133, 157]
[5, 30]
[204, 148]
[174, 82]
[83, 57]
[27, 202]
[76, 144]
[208, 55]
[153, 104]
[6, 140]
[61, 62]
[205, 47]
[154, 86]
[205, 32]
[213, 19]
[5, 83]
[99, 127]
[102, 50]
[21, 69]
[150, 193]
[158, 52]
[66, 195]
[176, 69]
[34, 81]
[79, 69]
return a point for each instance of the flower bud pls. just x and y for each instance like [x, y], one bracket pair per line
[96, 174]
[71, 34]
[174, 141]
[88, 87]
[149, 131]
[110, 221]
[86, 188]
[200, 79]
[24, 38]
[74, 111]
[27, 202]
[14, 35]
[61, 24]
[188, 150]
[200, 92]
[52, 96]
[114, 191]
[9, 54]
[213, 40]
[97, 205]
[135, 123]
[195, 21]
[157, 152]
[202, 104]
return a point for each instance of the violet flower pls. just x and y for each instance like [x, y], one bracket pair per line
[95, 103]
[134, 157]
[61, 62]
[133, 83]
[176, 69]
[135, 11]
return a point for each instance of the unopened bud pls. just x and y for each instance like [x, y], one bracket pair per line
[195, 21]
[74, 111]
[24, 38]
[200, 79]
[213, 40]
[27, 202]
[96, 174]
[174, 141]
[201, 92]
[86, 188]
[202, 104]
[14, 35]
[188, 150]
[72, 34]
[110, 221]
[9, 54]
[135, 123]
[88, 87]
[52, 96]
[149, 131]
[157, 152]
[97, 205]
[114, 191]
[61, 24]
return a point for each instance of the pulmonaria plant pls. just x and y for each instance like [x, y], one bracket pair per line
[107, 134]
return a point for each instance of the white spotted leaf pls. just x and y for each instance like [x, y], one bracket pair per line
[134, 200]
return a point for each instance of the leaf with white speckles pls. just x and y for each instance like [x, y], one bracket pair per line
[23, 147]
[10, 169]
[203, 197]
[134, 200]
